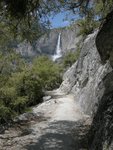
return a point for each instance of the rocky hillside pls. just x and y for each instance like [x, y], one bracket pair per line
[90, 79]
[47, 43]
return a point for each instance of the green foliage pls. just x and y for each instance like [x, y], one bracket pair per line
[89, 21]
[9, 65]
[13, 33]
[5, 113]
[92, 16]
[25, 19]
[21, 86]
[6, 36]
[102, 8]
[21, 9]
[70, 58]
[87, 26]
[48, 72]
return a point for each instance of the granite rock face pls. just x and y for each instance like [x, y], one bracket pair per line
[90, 79]
[85, 78]
[47, 43]
[101, 132]
[69, 79]
[70, 38]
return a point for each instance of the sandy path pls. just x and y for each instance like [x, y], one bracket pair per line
[67, 110]
[62, 116]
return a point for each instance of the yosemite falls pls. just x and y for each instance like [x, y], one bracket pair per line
[57, 53]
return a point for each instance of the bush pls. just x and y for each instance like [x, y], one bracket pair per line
[70, 58]
[26, 87]
[87, 26]
[5, 113]
[48, 71]
[7, 96]
[33, 89]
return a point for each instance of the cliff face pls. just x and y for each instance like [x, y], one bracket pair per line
[47, 43]
[101, 132]
[69, 39]
[85, 77]
[90, 79]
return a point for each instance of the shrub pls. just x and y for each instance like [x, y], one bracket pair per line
[48, 71]
[26, 87]
[87, 26]
[5, 113]
[7, 96]
[70, 58]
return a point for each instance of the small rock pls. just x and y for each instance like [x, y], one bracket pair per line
[46, 98]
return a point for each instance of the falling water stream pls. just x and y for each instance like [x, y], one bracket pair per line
[57, 53]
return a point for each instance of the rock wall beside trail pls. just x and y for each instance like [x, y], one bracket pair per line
[90, 79]
[85, 78]
[101, 132]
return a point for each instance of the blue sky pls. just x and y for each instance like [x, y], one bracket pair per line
[62, 19]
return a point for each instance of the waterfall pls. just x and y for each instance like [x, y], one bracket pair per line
[57, 53]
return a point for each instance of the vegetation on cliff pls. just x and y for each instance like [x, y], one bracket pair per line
[70, 58]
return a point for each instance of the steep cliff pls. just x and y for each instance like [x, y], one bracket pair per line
[101, 132]
[70, 38]
[48, 42]
[90, 79]
[85, 77]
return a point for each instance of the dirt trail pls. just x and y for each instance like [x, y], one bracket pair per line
[59, 127]
[67, 110]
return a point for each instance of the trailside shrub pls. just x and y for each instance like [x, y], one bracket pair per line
[21, 91]
[7, 97]
[70, 58]
[48, 71]
[25, 87]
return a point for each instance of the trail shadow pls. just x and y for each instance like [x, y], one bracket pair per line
[60, 136]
